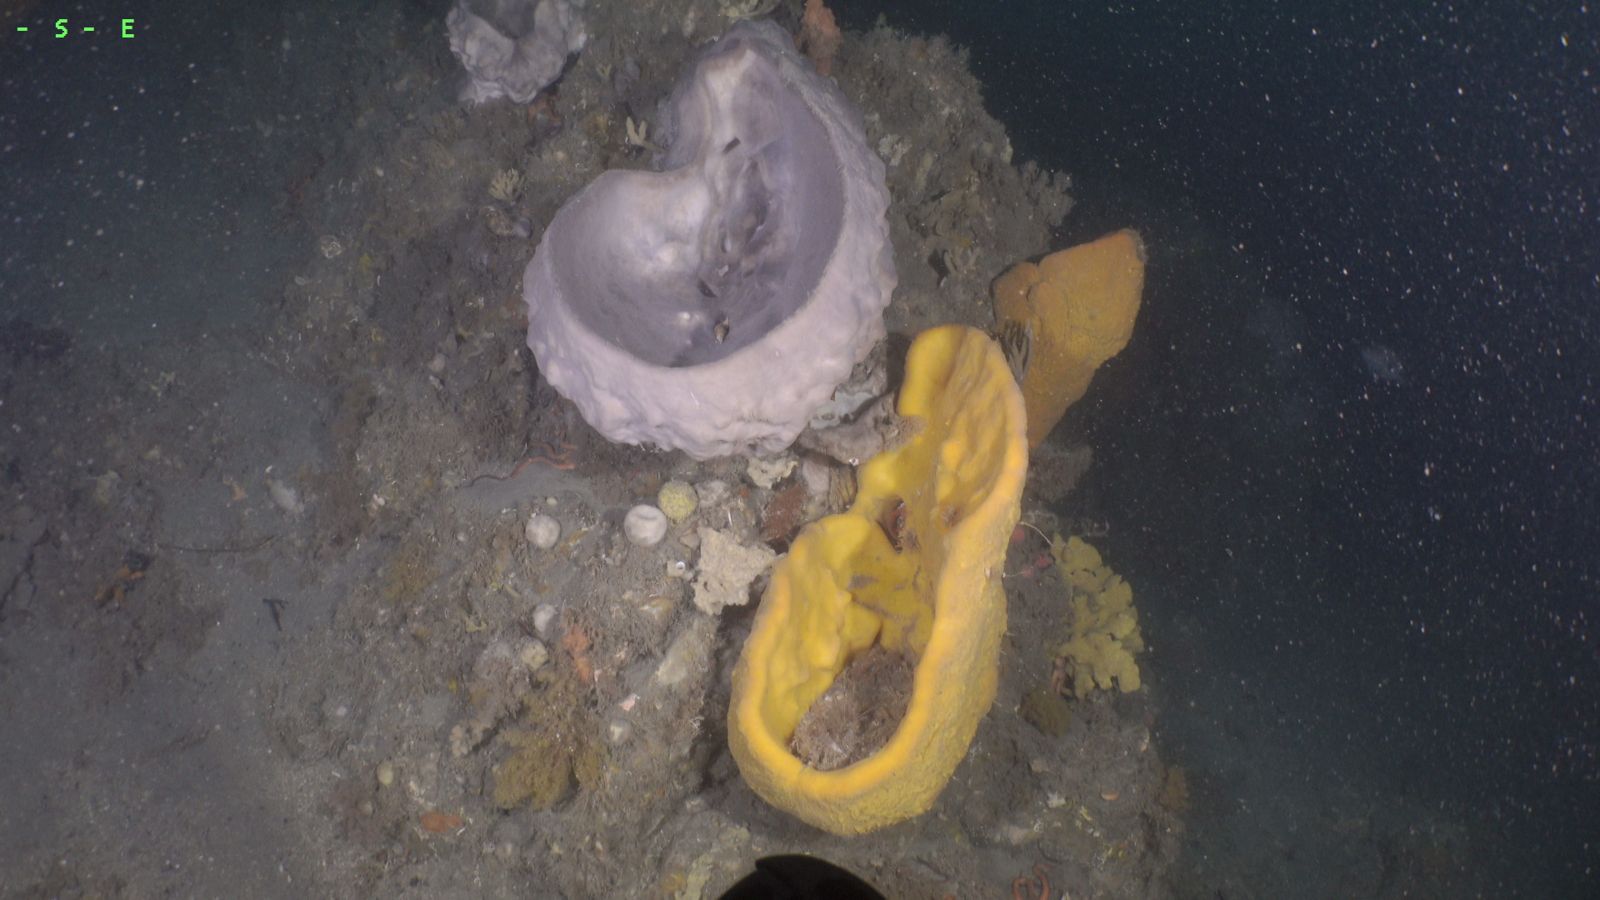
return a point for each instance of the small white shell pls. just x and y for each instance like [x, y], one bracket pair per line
[645, 525]
[544, 619]
[286, 497]
[618, 732]
[542, 531]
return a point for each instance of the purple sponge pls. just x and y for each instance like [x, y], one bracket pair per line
[713, 305]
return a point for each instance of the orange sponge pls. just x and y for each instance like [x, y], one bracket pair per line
[1077, 309]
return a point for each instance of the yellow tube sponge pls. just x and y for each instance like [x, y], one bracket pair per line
[913, 566]
[1077, 308]
[1104, 633]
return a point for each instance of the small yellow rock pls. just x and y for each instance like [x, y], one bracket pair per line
[1077, 308]
[385, 774]
[677, 499]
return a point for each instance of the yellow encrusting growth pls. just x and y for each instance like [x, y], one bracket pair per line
[1078, 307]
[914, 565]
[1104, 626]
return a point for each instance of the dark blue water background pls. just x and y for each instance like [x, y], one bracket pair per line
[1351, 453]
